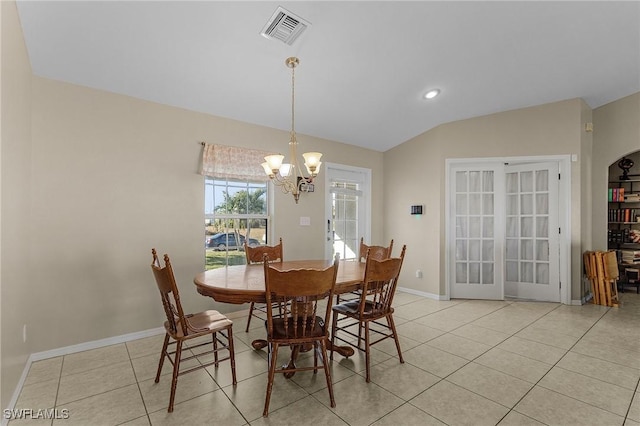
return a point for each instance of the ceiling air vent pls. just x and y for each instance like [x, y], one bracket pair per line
[284, 26]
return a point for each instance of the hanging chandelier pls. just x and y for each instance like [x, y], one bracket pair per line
[289, 176]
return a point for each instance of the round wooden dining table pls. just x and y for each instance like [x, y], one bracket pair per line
[239, 284]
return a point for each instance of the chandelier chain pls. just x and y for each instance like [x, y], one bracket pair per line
[293, 99]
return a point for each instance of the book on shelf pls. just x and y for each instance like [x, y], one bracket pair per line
[623, 215]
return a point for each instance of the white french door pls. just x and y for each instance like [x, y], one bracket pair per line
[348, 214]
[475, 250]
[532, 249]
[503, 233]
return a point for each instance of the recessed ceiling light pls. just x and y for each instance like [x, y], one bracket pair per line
[432, 94]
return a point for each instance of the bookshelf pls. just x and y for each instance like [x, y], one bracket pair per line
[624, 214]
[624, 228]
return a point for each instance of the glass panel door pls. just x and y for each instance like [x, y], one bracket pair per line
[348, 210]
[477, 271]
[532, 233]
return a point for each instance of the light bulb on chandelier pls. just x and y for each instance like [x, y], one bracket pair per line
[289, 176]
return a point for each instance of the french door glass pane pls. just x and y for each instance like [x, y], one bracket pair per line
[542, 250]
[526, 249]
[461, 204]
[474, 226]
[487, 227]
[512, 204]
[474, 250]
[474, 273]
[512, 183]
[526, 229]
[542, 180]
[526, 182]
[526, 272]
[512, 227]
[461, 227]
[487, 273]
[526, 204]
[512, 249]
[542, 227]
[512, 271]
[542, 273]
[461, 182]
[487, 250]
[461, 250]
[542, 203]
[487, 181]
[461, 272]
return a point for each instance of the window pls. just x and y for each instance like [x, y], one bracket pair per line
[234, 211]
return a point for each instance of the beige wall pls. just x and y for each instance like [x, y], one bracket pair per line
[616, 133]
[116, 176]
[415, 174]
[16, 289]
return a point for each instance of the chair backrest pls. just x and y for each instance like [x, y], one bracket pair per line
[304, 289]
[379, 284]
[256, 254]
[377, 252]
[169, 293]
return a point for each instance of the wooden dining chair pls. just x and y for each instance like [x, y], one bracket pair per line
[256, 255]
[375, 303]
[377, 252]
[305, 321]
[181, 327]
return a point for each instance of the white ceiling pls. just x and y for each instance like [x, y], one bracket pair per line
[364, 66]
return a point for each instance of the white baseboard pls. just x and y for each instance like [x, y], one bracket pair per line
[423, 294]
[95, 344]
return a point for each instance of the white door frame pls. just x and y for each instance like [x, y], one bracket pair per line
[365, 199]
[564, 218]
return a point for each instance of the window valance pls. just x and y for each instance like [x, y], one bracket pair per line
[232, 162]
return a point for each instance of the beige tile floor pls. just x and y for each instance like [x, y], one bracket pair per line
[466, 363]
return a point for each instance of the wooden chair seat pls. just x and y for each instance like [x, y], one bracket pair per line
[371, 309]
[207, 321]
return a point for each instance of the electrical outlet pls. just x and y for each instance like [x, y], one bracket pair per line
[24, 333]
[418, 273]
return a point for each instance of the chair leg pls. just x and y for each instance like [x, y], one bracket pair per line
[165, 345]
[327, 373]
[392, 326]
[232, 355]
[246, 330]
[367, 350]
[334, 326]
[174, 380]
[214, 336]
[315, 357]
[273, 357]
